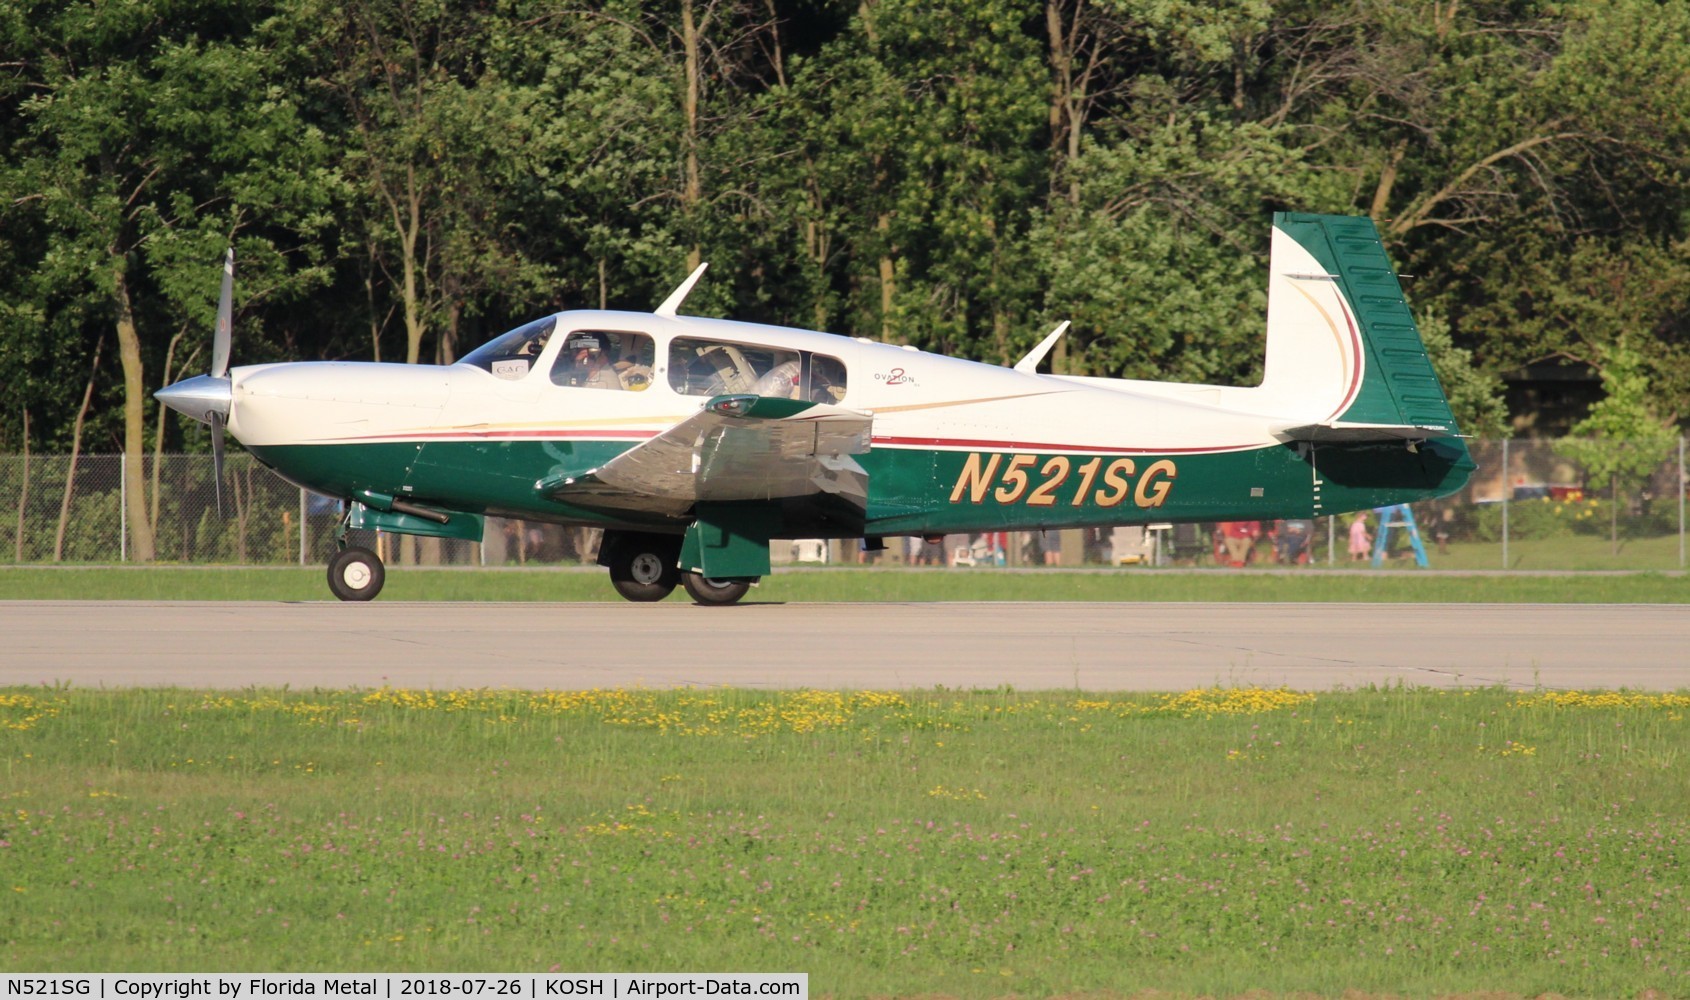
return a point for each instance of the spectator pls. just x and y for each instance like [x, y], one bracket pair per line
[1361, 540]
[1239, 537]
[1291, 540]
[931, 552]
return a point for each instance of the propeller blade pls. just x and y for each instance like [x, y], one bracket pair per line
[216, 421]
[225, 319]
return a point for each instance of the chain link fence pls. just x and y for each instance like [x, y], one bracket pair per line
[1533, 505]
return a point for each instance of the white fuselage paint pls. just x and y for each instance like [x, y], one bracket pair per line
[917, 399]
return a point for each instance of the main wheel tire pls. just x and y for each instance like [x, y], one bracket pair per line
[704, 590]
[641, 573]
[356, 574]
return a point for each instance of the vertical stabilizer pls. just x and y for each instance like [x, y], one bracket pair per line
[1344, 357]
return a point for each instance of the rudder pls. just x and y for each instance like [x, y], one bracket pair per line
[1343, 353]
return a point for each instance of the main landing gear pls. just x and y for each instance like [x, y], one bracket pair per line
[646, 568]
[704, 590]
[642, 567]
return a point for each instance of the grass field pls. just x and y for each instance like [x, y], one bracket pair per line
[861, 584]
[1584, 553]
[974, 844]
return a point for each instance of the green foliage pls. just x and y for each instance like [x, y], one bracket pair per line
[1475, 395]
[1540, 518]
[957, 175]
[1160, 265]
[1622, 440]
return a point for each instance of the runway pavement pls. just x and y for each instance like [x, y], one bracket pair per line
[1030, 646]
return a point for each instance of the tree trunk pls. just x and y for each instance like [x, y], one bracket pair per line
[134, 417]
[23, 494]
[75, 451]
[370, 294]
[1067, 98]
[1061, 121]
[1614, 514]
[414, 325]
[158, 431]
[447, 351]
[1387, 180]
[1000, 336]
[693, 193]
[888, 280]
[240, 490]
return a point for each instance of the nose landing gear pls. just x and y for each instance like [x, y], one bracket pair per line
[356, 574]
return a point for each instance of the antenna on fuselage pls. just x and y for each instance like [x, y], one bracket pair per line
[1030, 363]
[676, 297]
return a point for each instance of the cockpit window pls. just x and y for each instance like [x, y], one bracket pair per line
[713, 368]
[510, 355]
[601, 359]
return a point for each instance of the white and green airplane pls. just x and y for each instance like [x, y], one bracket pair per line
[693, 442]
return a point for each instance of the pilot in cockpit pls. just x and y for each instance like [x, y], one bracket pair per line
[591, 366]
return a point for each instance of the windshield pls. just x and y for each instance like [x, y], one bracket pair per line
[510, 355]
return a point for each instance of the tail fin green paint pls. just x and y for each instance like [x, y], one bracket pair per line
[1343, 352]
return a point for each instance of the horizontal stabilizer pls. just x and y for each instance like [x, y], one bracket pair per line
[736, 448]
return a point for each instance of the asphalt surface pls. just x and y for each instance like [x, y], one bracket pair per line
[1029, 646]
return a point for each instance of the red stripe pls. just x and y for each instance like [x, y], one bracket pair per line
[507, 436]
[884, 441]
[1355, 361]
[1045, 446]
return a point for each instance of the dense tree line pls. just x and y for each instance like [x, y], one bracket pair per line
[401, 179]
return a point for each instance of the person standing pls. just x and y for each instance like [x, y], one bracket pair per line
[1361, 541]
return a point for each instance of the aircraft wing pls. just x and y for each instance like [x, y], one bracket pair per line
[737, 447]
[1353, 433]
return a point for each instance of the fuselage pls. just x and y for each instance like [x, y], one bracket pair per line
[956, 445]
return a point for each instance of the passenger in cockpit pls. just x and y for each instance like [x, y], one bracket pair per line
[781, 381]
[827, 380]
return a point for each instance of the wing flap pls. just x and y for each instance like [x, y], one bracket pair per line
[1356, 433]
[735, 448]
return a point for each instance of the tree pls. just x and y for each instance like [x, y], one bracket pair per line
[435, 135]
[933, 115]
[1155, 250]
[1622, 442]
[147, 133]
[1475, 395]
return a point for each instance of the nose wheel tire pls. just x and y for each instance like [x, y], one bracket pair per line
[704, 590]
[356, 574]
[643, 574]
